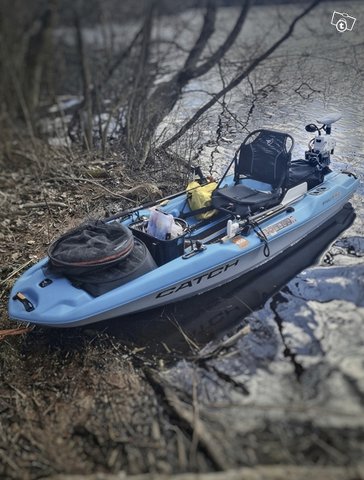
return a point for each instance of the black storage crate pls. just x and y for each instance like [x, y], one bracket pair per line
[162, 251]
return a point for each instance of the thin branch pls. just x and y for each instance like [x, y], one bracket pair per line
[206, 31]
[43, 204]
[223, 49]
[14, 272]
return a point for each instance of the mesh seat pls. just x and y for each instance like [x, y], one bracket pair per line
[260, 176]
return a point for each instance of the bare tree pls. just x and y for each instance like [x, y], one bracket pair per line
[238, 79]
[148, 105]
[142, 96]
[157, 102]
[165, 96]
[137, 138]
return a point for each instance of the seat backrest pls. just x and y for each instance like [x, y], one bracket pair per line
[266, 158]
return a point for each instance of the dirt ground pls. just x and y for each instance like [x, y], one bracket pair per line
[71, 401]
[83, 404]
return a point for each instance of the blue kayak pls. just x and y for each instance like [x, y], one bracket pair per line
[253, 217]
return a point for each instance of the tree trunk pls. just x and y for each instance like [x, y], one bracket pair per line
[87, 111]
[35, 59]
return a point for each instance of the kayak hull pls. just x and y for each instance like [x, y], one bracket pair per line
[60, 304]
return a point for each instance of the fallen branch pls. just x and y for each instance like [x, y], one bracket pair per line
[190, 342]
[150, 188]
[43, 204]
[93, 182]
[14, 331]
[226, 343]
[185, 413]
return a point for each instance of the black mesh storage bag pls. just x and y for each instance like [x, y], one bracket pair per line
[94, 244]
[98, 282]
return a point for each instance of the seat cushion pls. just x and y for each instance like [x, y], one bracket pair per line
[242, 200]
[243, 195]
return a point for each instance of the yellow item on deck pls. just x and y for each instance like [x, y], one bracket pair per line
[199, 196]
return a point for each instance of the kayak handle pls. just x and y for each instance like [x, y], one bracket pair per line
[27, 304]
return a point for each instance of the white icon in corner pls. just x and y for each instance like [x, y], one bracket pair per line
[342, 21]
